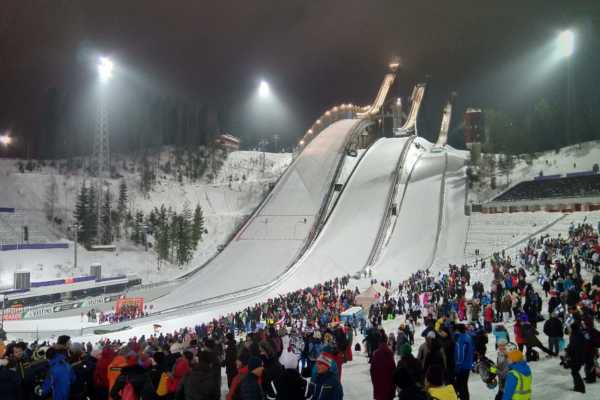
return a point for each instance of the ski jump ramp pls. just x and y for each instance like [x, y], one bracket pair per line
[274, 237]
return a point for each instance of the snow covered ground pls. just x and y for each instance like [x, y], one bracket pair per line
[225, 205]
[576, 158]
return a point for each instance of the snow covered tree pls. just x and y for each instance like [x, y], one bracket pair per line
[122, 202]
[138, 228]
[51, 199]
[146, 176]
[91, 220]
[197, 226]
[105, 219]
[184, 252]
[506, 164]
[80, 212]
[162, 233]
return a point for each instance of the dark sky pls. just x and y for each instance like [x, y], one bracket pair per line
[315, 53]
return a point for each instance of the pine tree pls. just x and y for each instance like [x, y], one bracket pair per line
[138, 235]
[91, 220]
[51, 199]
[105, 219]
[80, 213]
[184, 251]
[162, 233]
[122, 202]
[197, 226]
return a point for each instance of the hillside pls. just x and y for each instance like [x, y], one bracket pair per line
[575, 158]
[226, 198]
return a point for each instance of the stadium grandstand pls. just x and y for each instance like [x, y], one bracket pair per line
[580, 184]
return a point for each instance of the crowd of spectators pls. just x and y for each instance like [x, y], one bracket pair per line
[295, 346]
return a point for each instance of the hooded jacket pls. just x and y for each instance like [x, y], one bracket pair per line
[511, 381]
[59, 379]
[382, 373]
[327, 387]
[463, 352]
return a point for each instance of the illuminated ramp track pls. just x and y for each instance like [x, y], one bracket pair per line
[345, 241]
[275, 236]
[414, 241]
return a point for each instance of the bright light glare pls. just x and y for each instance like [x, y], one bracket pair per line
[5, 140]
[566, 43]
[263, 89]
[105, 69]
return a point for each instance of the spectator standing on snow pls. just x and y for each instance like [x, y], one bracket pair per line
[250, 388]
[553, 328]
[576, 355]
[463, 358]
[518, 379]
[382, 372]
[326, 385]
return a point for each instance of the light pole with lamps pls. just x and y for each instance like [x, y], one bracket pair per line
[566, 48]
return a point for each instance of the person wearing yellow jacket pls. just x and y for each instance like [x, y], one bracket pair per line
[435, 385]
[518, 378]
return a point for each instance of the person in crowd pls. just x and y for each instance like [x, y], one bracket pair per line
[553, 328]
[326, 385]
[199, 383]
[382, 372]
[436, 385]
[291, 385]
[518, 379]
[529, 334]
[230, 357]
[501, 367]
[60, 376]
[10, 383]
[576, 355]
[463, 359]
[250, 387]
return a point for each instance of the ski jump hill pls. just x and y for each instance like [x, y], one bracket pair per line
[398, 209]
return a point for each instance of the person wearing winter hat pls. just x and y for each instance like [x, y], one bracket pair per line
[291, 385]
[518, 379]
[250, 388]
[326, 385]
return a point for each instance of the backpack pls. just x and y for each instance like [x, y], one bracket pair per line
[163, 387]
[128, 392]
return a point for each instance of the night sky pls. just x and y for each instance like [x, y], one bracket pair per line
[315, 54]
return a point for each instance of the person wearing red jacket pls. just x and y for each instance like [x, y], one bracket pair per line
[180, 370]
[382, 372]
[488, 318]
[101, 372]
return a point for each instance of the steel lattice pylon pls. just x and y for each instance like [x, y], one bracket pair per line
[101, 160]
[101, 156]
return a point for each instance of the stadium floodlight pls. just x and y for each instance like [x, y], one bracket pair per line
[105, 69]
[5, 140]
[263, 89]
[566, 43]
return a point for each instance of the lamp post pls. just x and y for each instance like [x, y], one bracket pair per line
[566, 48]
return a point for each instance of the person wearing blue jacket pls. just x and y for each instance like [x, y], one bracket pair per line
[518, 379]
[463, 361]
[60, 377]
[326, 385]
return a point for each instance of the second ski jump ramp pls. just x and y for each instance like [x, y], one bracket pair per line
[277, 232]
[346, 240]
[414, 242]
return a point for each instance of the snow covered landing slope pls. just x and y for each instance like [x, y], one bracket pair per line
[271, 240]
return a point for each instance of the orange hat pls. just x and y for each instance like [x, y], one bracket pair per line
[515, 356]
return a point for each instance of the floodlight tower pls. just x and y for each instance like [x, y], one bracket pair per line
[101, 140]
[101, 158]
